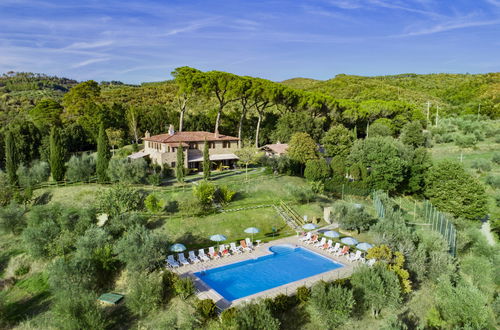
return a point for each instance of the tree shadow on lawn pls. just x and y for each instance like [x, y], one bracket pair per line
[28, 308]
[296, 318]
[277, 232]
[5, 258]
[194, 241]
[43, 199]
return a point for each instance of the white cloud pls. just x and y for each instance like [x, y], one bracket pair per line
[90, 45]
[448, 26]
[88, 62]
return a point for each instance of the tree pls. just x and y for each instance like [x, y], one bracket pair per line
[80, 168]
[12, 218]
[419, 165]
[132, 116]
[115, 137]
[103, 156]
[412, 134]
[145, 293]
[57, 155]
[294, 122]
[11, 158]
[179, 165]
[140, 249]
[379, 129]
[38, 172]
[317, 170]
[376, 288]
[127, 171]
[255, 316]
[386, 160]
[302, 148]
[338, 166]
[453, 190]
[46, 114]
[206, 162]
[119, 199]
[330, 305]
[356, 218]
[188, 80]
[247, 156]
[337, 141]
[204, 191]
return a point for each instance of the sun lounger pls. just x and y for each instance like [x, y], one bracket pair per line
[223, 251]
[334, 249]
[344, 251]
[320, 243]
[313, 239]
[182, 258]
[370, 262]
[354, 256]
[249, 243]
[305, 237]
[243, 244]
[202, 255]
[234, 248]
[327, 245]
[212, 253]
[193, 258]
[171, 262]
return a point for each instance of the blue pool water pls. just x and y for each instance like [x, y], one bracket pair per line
[286, 264]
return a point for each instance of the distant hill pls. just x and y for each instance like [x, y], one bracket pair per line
[454, 93]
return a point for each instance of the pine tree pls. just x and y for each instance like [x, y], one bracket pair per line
[57, 155]
[103, 156]
[206, 162]
[179, 166]
[11, 158]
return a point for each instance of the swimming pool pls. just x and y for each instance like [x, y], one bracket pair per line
[285, 265]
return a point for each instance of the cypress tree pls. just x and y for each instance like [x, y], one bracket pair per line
[57, 155]
[11, 158]
[179, 165]
[103, 156]
[206, 162]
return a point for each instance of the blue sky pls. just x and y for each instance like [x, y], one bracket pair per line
[137, 41]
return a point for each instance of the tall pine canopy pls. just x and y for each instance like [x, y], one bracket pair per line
[11, 158]
[57, 155]
[103, 155]
[206, 162]
[179, 165]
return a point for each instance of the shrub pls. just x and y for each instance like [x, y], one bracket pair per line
[123, 170]
[330, 306]
[206, 308]
[22, 270]
[496, 158]
[317, 170]
[255, 316]
[140, 249]
[184, 287]
[303, 294]
[12, 218]
[80, 168]
[301, 195]
[153, 204]
[224, 195]
[154, 179]
[493, 180]
[39, 172]
[281, 303]
[119, 199]
[204, 191]
[497, 199]
[145, 293]
[191, 206]
[481, 165]
[228, 317]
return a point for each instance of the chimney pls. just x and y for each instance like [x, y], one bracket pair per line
[171, 130]
[216, 134]
[147, 134]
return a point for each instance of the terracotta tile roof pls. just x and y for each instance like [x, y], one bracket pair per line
[198, 136]
[278, 148]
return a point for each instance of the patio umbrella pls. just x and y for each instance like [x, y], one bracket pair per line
[178, 248]
[364, 246]
[309, 226]
[331, 233]
[349, 241]
[252, 230]
[218, 238]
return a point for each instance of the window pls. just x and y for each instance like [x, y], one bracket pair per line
[172, 164]
[211, 145]
[226, 144]
[193, 145]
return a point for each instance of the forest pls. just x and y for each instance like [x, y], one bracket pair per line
[400, 141]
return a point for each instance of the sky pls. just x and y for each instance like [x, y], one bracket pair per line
[144, 40]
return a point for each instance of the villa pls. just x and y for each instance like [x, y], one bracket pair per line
[162, 149]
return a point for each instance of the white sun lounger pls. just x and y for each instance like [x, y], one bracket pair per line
[371, 262]
[320, 243]
[193, 258]
[234, 248]
[202, 255]
[249, 243]
[182, 258]
[335, 248]
[212, 253]
[171, 262]
[223, 251]
[354, 256]
[306, 237]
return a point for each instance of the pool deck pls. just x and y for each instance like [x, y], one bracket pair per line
[206, 292]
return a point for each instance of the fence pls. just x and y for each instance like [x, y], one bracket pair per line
[439, 223]
[436, 220]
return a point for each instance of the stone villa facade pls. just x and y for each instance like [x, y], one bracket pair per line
[162, 149]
